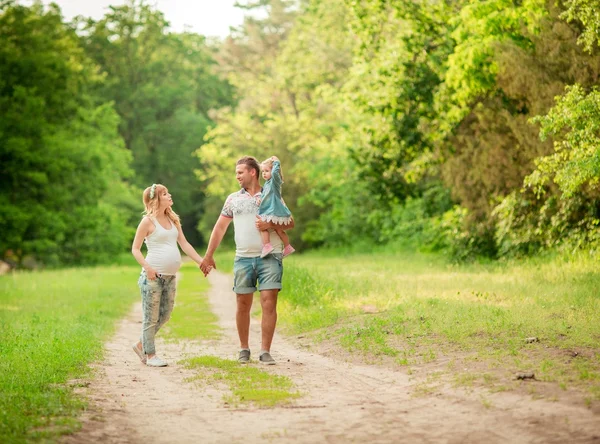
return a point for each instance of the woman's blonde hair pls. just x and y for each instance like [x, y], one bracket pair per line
[151, 199]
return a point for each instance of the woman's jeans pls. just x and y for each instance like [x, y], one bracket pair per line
[158, 298]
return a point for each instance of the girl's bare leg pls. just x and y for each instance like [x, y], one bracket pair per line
[264, 234]
[283, 236]
[267, 248]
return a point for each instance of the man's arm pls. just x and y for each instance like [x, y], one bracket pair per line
[262, 225]
[215, 239]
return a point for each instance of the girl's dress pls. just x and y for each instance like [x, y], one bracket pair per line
[272, 208]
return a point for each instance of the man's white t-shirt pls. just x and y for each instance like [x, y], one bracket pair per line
[243, 208]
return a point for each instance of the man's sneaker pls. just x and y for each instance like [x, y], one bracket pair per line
[266, 359]
[266, 250]
[288, 250]
[244, 357]
[155, 361]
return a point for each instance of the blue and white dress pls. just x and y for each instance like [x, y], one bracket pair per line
[272, 207]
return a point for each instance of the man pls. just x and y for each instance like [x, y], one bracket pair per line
[249, 268]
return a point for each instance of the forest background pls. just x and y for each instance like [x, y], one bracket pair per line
[467, 127]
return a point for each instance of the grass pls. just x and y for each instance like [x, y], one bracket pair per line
[54, 323]
[414, 307]
[192, 317]
[224, 260]
[247, 385]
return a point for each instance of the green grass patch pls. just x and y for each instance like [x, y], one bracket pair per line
[224, 260]
[192, 317]
[412, 307]
[53, 324]
[247, 384]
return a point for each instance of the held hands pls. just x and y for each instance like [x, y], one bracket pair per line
[207, 264]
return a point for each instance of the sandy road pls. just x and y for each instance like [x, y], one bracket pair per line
[342, 402]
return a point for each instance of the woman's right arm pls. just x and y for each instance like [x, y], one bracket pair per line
[142, 231]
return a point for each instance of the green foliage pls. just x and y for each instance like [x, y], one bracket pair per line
[62, 158]
[472, 69]
[586, 13]
[344, 208]
[163, 86]
[527, 225]
[425, 91]
[405, 122]
[574, 124]
[287, 107]
[402, 47]
[260, 127]
[495, 147]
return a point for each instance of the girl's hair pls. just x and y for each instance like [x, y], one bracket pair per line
[269, 163]
[151, 204]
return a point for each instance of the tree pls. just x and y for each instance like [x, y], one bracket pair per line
[575, 124]
[397, 69]
[260, 124]
[164, 87]
[586, 13]
[61, 156]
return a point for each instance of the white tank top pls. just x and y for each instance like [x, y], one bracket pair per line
[163, 254]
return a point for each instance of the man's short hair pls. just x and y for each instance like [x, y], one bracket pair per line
[250, 162]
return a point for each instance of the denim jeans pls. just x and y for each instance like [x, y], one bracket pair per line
[267, 272]
[158, 299]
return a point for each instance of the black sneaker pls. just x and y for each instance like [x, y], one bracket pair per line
[244, 357]
[266, 359]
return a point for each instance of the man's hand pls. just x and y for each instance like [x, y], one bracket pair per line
[261, 224]
[207, 264]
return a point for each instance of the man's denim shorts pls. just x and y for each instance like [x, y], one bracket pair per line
[267, 272]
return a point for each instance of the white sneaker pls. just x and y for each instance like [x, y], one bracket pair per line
[155, 361]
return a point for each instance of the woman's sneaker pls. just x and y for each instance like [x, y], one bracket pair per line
[288, 250]
[155, 361]
[140, 353]
[266, 250]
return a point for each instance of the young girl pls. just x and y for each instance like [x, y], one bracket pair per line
[272, 208]
[161, 229]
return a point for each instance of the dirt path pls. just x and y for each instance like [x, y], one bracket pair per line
[132, 403]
